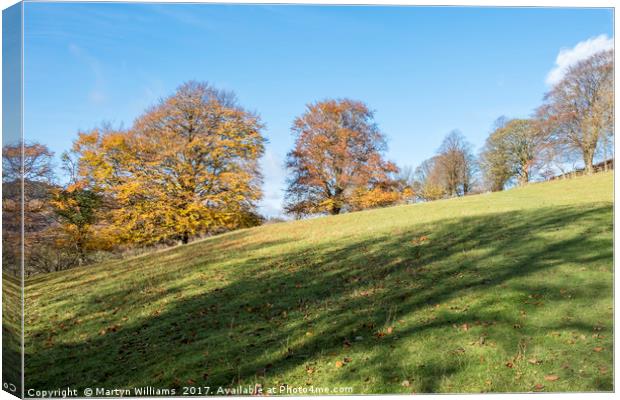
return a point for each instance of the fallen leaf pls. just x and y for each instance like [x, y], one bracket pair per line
[598, 349]
[406, 383]
[465, 327]
[339, 364]
[347, 359]
[534, 361]
[390, 330]
[538, 387]
[509, 364]
[551, 378]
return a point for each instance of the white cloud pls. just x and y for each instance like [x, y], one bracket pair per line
[581, 51]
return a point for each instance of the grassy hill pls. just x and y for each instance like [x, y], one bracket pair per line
[508, 291]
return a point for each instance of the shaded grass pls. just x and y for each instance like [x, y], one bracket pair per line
[489, 293]
[11, 333]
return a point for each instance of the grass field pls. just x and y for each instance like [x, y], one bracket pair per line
[509, 291]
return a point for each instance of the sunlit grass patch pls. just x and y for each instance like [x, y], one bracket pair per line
[510, 291]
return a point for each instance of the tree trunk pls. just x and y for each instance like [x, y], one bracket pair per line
[336, 205]
[605, 153]
[334, 210]
[79, 244]
[185, 237]
[588, 160]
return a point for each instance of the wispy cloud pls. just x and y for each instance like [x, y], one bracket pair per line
[184, 15]
[274, 173]
[581, 51]
[96, 94]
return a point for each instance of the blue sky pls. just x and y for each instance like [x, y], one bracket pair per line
[425, 71]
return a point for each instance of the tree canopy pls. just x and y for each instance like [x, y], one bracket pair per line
[337, 161]
[514, 150]
[450, 172]
[578, 111]
[187, 167]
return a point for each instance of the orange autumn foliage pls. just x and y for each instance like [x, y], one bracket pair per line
[337, 163]
[186, 168]
[373, 198]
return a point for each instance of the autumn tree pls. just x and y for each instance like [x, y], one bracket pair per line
[456, 164]
[405, 183]
[337, 162]
[450, 172]
[379, 194]
[514, 150]
[428, 184]
[187, 167]
[77, 211]
[32, 162]
[579, 109]
[26, 170]
[493, 160]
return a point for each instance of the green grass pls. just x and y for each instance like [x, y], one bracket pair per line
[11, 333]
[507, 289]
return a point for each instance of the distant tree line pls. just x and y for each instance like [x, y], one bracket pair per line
[188, 168]
[574, 124]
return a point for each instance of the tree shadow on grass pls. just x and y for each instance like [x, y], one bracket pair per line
[459, 287]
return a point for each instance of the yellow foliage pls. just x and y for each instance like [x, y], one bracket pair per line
[188, 167]
[432, 191]
[376, 197]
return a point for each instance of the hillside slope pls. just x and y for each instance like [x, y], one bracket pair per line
[508, 291]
